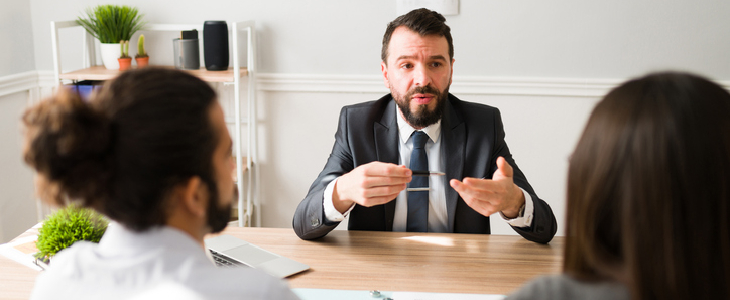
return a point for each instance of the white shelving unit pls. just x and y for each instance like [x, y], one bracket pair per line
[91, 71]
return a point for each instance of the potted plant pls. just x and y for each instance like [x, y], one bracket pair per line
[141, 58]
[125, 61]
[66, 226]
[111, 24]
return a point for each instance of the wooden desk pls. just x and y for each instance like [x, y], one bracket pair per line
[388, 261]
[16, 280]
[399, 261]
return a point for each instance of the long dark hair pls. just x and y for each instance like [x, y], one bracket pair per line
[648, 190]
[147, 131]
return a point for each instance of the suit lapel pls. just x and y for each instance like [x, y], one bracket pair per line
[386, 147]
[453, 132]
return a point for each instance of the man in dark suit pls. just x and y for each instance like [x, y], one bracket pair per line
[422, 127]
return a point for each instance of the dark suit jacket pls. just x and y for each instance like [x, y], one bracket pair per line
[473, 139]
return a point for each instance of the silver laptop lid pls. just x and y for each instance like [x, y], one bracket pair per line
[253, 256]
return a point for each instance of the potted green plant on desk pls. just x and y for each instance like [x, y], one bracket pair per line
[141, 58]
[111, 24]
[66, 226]
[125, 61]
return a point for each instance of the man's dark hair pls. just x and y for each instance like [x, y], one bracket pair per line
[423, 21]
[649, 190]
[146, 132]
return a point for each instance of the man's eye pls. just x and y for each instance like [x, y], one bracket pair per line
[406, 66]
[436, 64]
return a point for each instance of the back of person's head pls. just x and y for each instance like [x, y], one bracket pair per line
[147, 131]
[423, 21]
[648, 190]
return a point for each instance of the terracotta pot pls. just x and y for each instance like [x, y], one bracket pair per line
[142, 61]
[125, 63]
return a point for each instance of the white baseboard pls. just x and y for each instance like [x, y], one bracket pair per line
[318, 83]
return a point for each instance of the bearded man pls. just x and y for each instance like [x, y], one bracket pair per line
[152, 152]
[419, 159]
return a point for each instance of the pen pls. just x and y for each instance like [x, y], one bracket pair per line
[418, 189]
[424, 173]
[427, 173]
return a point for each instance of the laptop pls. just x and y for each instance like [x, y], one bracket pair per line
[228, 250]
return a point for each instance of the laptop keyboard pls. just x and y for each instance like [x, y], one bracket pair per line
[223, 261]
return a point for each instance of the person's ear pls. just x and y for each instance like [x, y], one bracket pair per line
[195, 196]
[451, 76]
[384, 69]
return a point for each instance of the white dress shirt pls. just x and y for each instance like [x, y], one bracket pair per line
[127, 264]
[437, 213]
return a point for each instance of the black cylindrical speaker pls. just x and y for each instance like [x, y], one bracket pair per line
[215, 45]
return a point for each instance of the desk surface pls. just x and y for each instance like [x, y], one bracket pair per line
[389, 261]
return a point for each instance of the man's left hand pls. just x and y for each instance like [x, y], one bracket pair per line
[489, 196]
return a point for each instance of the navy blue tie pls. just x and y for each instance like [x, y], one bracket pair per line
[418, 200]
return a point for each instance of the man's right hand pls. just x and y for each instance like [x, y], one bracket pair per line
[370, 184]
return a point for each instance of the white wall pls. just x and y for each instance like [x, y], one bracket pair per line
[533, 38]
[17, 200]
[530, 42]
[17, 204]
[16, 54]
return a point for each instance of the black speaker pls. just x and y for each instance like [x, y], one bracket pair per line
[215, 45]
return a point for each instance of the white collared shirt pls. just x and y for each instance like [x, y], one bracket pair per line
[438, 218]
[127, 264]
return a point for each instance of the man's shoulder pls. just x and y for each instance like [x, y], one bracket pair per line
[472, 112]
[369, 105]
[470, 107]
[362, 114]
[566, 287]
[227, 283]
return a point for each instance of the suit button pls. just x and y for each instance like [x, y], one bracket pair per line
[539, 228]
[315, 222]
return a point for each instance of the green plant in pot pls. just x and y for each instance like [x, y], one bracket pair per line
[111, 24]
[141, 58]
[125, 61]
[66, 226]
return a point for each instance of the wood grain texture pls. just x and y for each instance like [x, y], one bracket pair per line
[388, 261]
[16, 280]
[398, 261]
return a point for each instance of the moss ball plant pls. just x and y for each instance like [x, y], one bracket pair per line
[66, 226]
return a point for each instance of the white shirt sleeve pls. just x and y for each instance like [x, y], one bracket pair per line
[330, 212]
[526, 213]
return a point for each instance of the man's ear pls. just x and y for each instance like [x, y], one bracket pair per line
[194, 196]
[451, 76]
[384, 69]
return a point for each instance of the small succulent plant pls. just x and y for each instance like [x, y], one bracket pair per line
[140, 47]
[125, 49]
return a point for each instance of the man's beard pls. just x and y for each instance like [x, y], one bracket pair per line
[218, 217]
[423, 117]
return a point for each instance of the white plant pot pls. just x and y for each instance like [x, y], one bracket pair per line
[109, 55]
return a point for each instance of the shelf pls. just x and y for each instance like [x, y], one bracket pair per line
[248, 171]
[102, 73]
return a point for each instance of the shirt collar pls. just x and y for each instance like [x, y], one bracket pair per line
[118, 238]
[405, 130]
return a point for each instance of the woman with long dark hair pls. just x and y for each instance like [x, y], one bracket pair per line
[648, 188]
